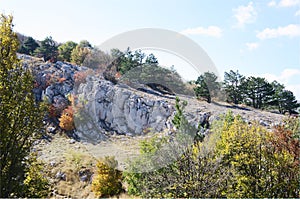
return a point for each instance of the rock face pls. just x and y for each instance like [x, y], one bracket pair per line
[54, 80]
[103, 108]
[117, 108]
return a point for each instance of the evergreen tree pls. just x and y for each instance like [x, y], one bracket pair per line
[20, 116]
[287, 102]
[30, 45]
[138, 57]
[178, 117]
[207, 86]
[47, 50]
[232, 85]
[151, 59]
[258, 92]
[283, 99]
[84, 44]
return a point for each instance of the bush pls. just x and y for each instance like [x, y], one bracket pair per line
[66, 121]
[36, 184]
[80, 77]
[107, 181]
[235, 160]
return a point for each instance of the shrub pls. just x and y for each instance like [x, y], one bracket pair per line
[36, 184]
[107, 181]
[66, 121]
[234, 160]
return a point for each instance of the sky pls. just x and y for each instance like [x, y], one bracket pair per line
[259, 38]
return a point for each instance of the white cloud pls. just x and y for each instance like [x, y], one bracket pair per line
[272, 3]
[285, 78]
[252, 46]
[291, 30]
[297, 13]
[295, 88]
[288, 3]
[245, 15]
[284, 3]
[285, 75]
[213, 31]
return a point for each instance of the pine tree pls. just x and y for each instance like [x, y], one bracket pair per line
[20, 116]
[47, 50]
[258, 92]
[29, 46]
[287, 102]
[151, 59]
[232, 84]
[283, 99]
[207, 86]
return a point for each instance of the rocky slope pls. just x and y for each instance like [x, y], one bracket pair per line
[107, 108]
[110, 120]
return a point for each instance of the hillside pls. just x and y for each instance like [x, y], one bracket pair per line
[113, 119]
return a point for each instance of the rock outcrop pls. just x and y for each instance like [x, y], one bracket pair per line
[120, 109]
[104, 108]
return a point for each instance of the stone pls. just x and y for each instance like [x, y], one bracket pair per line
[60, 175]
[263, 123]
[85, 175]
[51, 129]
[72, 141]
[52, 163]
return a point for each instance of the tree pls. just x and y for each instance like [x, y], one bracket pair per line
[65, 50]
[258, 92]
[207, 86]
[97, 59]
[151, 59]
[232, 85]
[283, 99]
[20, 116]
[47, 50]
[176, 169]
[263, 164]
[287, 102]
[138, 57]
[79, 54]
[29, 46]
[126, 61]
[84, 44]
[179, 117]
[196, 174]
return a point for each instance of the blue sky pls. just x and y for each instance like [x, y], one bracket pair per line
[260, 38]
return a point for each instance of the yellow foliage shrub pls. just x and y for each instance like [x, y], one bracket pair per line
[107, 181]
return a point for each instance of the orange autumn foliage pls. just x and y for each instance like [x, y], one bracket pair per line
[66, 121]
[285, 140]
